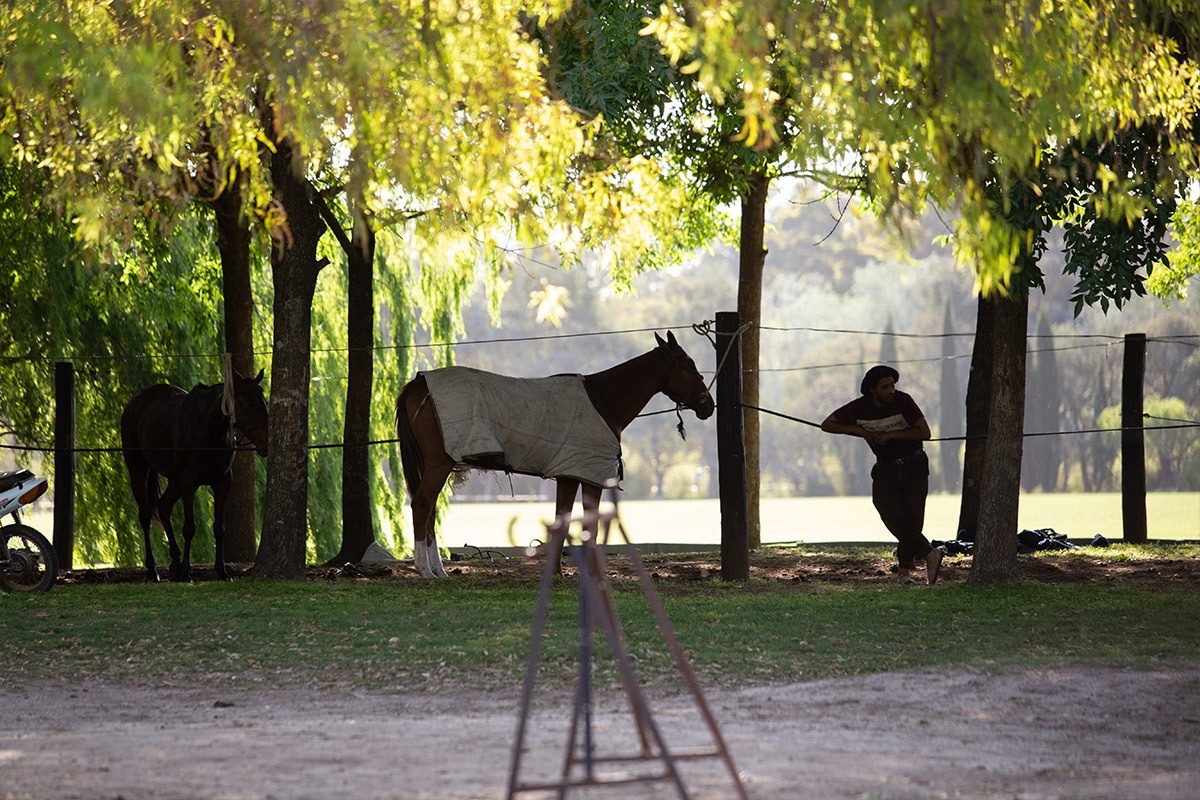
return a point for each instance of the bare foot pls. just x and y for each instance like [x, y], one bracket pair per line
[933, 565]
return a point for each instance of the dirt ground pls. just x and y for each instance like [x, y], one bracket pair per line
[1089, 734]
[846, 566]
[1061, 734]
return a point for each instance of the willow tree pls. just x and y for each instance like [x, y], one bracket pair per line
[57, 308]
[133, 110]
[949, 107]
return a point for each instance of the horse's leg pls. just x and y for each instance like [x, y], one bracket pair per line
[565, 490]
[426, 468]
[189, 530]
[591, 525]
[143, 482]
[591, 511]
[220, 495]
[426, 557]
[166, 503]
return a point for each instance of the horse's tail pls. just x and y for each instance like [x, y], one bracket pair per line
[143, 478]
[410, 452]
[153, 493]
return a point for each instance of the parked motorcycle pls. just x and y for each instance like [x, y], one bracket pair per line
[28, 562]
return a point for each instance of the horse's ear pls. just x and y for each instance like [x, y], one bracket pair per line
[259, 378]
[659, 339]
[671, 338]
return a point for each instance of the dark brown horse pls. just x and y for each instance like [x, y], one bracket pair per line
[447, 421]
[188, 438]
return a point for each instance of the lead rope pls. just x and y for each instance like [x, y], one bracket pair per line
[705, 330]
[228, 402]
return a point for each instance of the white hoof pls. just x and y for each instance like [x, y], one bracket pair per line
[428, 560]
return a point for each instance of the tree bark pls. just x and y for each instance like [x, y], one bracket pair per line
[282, 553]
[752, 257]
[233, 243]
[979, 393]
[995, 554]
[358, 518]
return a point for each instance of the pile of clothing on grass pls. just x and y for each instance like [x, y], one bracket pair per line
[1028, 541]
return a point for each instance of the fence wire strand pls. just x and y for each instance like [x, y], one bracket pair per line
[705, 329]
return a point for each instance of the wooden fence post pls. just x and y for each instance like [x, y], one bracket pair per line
[1133, 439]
[64, 463]
[731, 454]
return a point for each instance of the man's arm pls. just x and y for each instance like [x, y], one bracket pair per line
[831, 425]
[918, 431]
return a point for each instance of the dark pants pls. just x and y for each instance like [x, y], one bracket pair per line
[898, 491]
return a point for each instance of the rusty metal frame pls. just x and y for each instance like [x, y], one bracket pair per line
[581, 766]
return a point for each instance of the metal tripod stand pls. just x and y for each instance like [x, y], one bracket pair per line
[582, 766]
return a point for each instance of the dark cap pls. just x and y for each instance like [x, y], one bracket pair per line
[875, 374]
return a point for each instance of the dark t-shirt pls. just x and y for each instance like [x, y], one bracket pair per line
[900, 414]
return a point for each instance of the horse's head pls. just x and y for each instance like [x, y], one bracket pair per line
[251, 410]
[685, 385]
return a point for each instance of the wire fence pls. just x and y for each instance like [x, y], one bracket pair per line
[1180, 424]
[1097, 339]
[1087, 341]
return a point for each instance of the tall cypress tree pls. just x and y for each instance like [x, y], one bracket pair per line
[860, 469]
[1049, 377]
[952, 408]
[887, 349]
[1043, 405]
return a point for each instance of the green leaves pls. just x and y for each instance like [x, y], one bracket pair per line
[1169, 280]
[939, 105]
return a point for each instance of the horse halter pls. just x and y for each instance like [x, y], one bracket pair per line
[234, 437]
[673, 359]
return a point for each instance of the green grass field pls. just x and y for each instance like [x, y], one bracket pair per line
[476, 629]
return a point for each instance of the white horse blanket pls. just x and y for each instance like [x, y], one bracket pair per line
[537, 426]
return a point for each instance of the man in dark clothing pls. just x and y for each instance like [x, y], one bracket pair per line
[894, 427]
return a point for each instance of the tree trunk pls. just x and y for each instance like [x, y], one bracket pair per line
[979, 393]
[995, 555]
[358, 518]
[282, 554]
[750, 279]
[233, 243]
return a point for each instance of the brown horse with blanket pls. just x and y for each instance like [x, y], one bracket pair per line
[565, 427]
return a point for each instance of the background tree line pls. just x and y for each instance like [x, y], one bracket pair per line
[833, 273]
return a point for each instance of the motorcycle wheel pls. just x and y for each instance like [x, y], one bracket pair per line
[32, 564]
